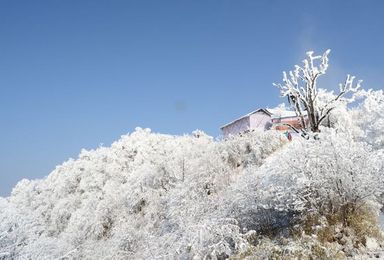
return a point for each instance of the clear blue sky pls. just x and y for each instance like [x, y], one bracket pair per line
[75, 74]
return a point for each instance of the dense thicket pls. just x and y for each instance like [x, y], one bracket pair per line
[150, 195]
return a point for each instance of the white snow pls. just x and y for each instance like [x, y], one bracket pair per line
[152, 195]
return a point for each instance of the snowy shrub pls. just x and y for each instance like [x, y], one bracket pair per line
[147, 196]
[22, 235]
[340, 172]
[154, 196]
[369, 116]
[311, 177]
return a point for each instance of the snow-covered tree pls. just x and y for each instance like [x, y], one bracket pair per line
[369, 116]
[301, 89]
[156, 196]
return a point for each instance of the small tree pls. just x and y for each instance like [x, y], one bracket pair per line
[300, 87]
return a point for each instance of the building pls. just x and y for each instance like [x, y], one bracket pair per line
[263, 119]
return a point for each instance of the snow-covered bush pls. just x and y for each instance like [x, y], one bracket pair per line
[339, 171]
[369, 116]
[146, 196]
[154, 196]
[310, 177]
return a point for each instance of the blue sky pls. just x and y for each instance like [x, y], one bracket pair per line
[75, 74]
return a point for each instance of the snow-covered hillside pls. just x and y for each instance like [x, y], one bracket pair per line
[148, 194]
[154, 196]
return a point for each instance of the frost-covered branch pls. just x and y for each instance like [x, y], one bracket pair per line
[300, 87]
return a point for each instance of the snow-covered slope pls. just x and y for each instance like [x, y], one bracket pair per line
[154, 196]
[146, 195]
[159, 196]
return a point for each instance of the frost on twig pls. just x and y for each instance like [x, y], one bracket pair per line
[300, 87]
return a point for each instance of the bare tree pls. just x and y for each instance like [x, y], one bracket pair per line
[300, 87]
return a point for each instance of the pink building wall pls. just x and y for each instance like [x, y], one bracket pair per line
[260, 120]
[236, 127]
[253, 121]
